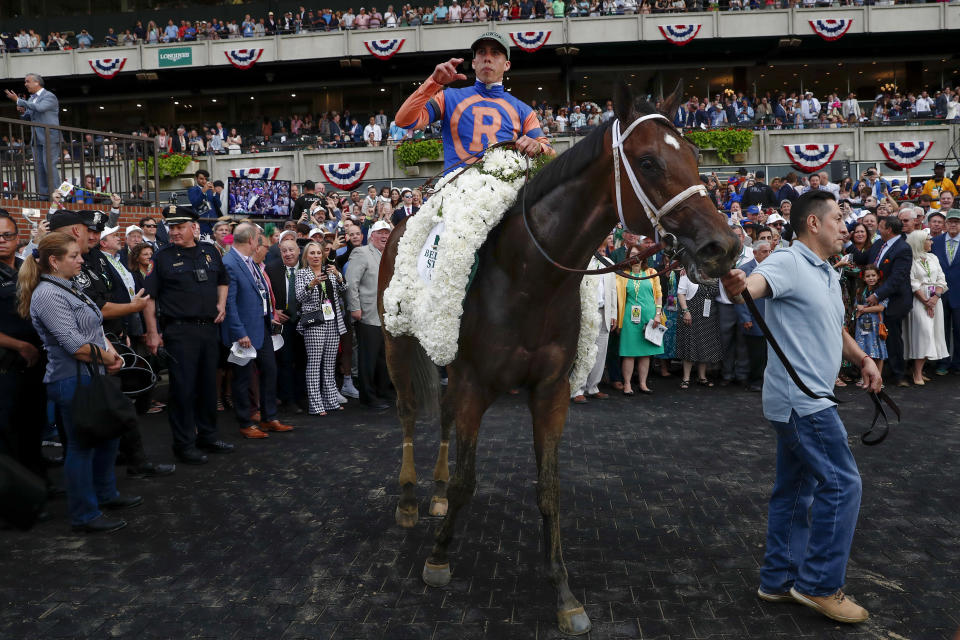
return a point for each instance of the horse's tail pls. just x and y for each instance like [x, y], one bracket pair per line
[426, 382]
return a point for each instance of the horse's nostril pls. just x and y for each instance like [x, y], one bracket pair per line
[710, 251]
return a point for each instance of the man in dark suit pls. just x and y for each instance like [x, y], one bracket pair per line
[406, 208]
[292, 357]
[179, 143]
[946, 247]
[248, 320]
[894, 257]
[41, 107]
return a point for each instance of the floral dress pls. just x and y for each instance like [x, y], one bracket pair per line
[670, 311]
[867, 332]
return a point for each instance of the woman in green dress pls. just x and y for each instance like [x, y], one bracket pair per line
[639, 303]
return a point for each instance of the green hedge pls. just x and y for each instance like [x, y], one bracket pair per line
[412, 152]
[725, 142]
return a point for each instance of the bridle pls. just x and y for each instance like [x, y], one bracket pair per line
[654, 214]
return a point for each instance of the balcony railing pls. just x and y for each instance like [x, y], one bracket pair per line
[123, 164]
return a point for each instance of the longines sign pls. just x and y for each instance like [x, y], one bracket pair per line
[176, 57]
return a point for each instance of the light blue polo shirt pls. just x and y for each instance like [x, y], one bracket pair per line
[805, 315]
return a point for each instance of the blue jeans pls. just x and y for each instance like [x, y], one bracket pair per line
[814, 506]
[88, 471]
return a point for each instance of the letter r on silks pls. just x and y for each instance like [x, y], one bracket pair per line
[473, 118]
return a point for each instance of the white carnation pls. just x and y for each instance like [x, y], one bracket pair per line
[470, 206]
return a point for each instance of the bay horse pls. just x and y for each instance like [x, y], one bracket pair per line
[521, 315]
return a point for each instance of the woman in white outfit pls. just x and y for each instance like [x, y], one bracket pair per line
[923, 330]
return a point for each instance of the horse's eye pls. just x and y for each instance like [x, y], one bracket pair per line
[646, 164]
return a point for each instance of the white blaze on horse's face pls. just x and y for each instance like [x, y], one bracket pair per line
[670, 140]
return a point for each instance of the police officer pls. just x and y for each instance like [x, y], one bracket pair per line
[102, 284]
[23, 398]
[305, 202]
[188, 289]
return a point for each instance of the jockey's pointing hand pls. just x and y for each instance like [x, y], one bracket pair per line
[446, 72]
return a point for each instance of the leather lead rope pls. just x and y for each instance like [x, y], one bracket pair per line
[878, 412]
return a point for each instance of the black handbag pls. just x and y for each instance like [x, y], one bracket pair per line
[311, 318]
[101, 411]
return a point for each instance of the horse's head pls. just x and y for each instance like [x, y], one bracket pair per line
[667, 194]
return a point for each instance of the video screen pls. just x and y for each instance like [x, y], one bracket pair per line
[257, 198]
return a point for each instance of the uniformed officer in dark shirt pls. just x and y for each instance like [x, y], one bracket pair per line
[188, 289]
[99, 281]
[23, 398]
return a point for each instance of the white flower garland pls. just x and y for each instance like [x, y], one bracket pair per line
[470, 207]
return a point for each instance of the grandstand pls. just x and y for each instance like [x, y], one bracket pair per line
[293, 75]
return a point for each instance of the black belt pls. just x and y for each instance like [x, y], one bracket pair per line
[194, 321]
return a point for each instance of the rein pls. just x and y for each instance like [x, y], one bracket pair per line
[876, 397]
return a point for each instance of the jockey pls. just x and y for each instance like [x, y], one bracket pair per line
[475, 117]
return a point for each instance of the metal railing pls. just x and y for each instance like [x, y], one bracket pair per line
[96, 163]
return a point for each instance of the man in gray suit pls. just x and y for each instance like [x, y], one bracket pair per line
[42, 106]
[362, 271]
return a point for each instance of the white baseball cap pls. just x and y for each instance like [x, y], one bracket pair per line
[131, 229]
[776, 217]
[107, 231]
[381, 225]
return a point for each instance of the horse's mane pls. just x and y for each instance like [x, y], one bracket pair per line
[573, 162]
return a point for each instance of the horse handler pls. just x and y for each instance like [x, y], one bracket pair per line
[478, 116]
[816, 495]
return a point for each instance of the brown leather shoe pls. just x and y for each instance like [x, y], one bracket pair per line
[275, 425]
[579, 399]
[599, 395]
[253, 433]
[836, 607]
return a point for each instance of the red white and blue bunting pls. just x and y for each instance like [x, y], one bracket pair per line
[344, 175]
[831, 29]
[530, 41]
[679, 34]
[260, 173]
[243, 58]
[384, 49]
[107, 67]
[906, 154]
[810, 157]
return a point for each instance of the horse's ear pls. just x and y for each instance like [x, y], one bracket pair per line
[670, 104]
[623, 105]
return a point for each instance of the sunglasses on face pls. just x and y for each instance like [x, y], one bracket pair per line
[149, 226]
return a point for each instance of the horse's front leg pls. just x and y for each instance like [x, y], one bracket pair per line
[399, 351]
[548, 406]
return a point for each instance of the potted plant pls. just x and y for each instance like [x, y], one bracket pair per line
[412, 152]
[730, 145]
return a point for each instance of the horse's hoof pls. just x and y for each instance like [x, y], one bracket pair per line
[436, 575]
[438, 506]
[573, 622]
[407, 518]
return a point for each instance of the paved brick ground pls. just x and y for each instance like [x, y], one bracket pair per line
[664, 511]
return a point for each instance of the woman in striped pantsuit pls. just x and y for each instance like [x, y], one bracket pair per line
[319, 286]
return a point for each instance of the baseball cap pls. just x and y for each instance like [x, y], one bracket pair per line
[496, 37]
[380, 225]
[953, 214]
[775, 218]
[107, 231]
[753, 209]
[941, 163]
[131, 229]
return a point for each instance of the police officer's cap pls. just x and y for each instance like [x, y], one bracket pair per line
[178, 214]
[93, 220]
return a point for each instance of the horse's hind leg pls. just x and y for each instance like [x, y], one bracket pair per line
[399, 352]
[471, 402]
[549, 405]
[441, 471]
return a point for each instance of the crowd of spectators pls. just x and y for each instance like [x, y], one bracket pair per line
[444, 12]
[328, 252]
[777, 110]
